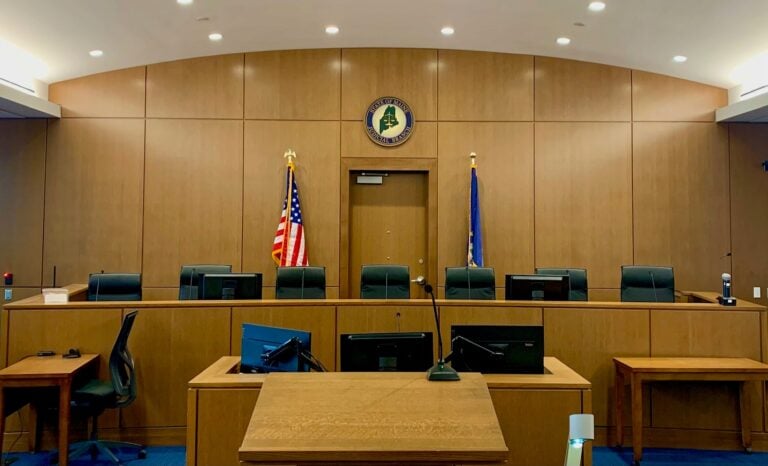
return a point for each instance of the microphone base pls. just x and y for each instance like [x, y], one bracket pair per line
[442, 373]
[726, 301]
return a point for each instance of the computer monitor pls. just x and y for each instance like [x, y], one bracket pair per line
[230, 286]
[273, 349]
[373, 352]
[497, 349]
[537, 287]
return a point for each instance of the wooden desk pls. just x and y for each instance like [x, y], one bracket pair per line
[532, 410]
[49, 371]
[372, 417]
[639, 370]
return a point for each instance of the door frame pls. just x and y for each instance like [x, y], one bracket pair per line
[354, 164]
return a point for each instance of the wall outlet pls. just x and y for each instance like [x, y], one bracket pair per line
[756, 292]
[8, 294]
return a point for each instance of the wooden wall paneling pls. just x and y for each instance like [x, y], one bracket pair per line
[293, 84]
[505, 161]
[465, 315]
[22, 185]
[656, 97]
[484, 86]
[171, 346]
[116, 94]
[681, 209]
[384, 318]
[194, 194]
[356, 143]
[583, 180]
[317, 174]
[409, 74]
[230, 407]
[604, 294]
[539, 444]
[749, 196]
[93, 198]
[91, 331]
[704, 334]
[206, 87]
[569, 90]
[319, 320]
[586, 340]
[160, 294]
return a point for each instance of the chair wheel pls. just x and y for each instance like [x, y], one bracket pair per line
[142, 454]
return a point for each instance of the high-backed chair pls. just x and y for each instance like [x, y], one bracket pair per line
[470, 283]
[114, 287]
[96, 396]
[300, 283]
[577, 278]
[189, 278]
[385, 282]
[640, 283]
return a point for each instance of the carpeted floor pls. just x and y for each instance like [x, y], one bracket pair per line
[174, 456]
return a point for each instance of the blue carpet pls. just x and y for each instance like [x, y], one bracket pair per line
[156, 456]
[604, 456]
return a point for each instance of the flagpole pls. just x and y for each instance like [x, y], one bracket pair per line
[470, 249]
[290, 155]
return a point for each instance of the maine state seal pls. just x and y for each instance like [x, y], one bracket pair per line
[389, 121]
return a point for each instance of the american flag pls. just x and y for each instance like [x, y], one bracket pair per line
[290, 247]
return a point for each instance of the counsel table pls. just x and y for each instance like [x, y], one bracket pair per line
[48, 371]
[639, 370]
[371, 417]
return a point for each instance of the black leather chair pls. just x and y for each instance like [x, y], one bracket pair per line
[385, 282]
[189, 278]
[577, 279]
[470, 283]
[96, 396]
[641, 283]
[114, 287]
[300, 283]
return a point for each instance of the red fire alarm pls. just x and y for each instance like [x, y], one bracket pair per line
[8, 276]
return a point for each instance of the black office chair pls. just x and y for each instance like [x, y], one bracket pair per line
[114, 287]
[96, 396]
[385, 282]
[470, 283]
[300, 283]
[577, 278]
[189, 278]
[641, 283]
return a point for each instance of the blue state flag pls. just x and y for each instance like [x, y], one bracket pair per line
[475, 242]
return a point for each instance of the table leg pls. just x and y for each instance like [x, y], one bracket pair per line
[618, 395]
[33, 427]
[637, 417]
[65, 394]
[744, 416]
[2, 419]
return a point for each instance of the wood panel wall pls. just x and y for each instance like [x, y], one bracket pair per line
[580, 164]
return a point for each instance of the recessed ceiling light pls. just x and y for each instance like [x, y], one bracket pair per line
[447, 31]
[680, 58]
[596, 6]
[331, 29]
[184, 2]
[215, 36]
[563, 40]
[96, 53]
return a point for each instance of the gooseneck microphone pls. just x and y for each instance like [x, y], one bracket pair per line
[303, 271]
[653, 284]
[438, 372]
[98, 285]
[469, 285]
[191, 277]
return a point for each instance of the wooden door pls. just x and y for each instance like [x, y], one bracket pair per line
[388, 225]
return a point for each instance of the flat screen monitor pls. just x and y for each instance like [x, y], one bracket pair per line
[230, 286]
[497, 349]
[285, 344]
[374, 352]
[537, 287]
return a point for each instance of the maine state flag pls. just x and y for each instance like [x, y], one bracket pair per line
[475, 242]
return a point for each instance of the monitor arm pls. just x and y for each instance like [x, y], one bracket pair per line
[290, 348]
[461, 339]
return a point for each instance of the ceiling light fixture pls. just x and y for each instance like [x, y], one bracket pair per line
[185, 2]
[563, 41]
[215, 37]
[596, 6]
[447, 31]
[96, 53]
[680, 58]
[332, 30]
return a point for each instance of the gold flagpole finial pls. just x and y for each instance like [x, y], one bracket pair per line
[290, 155]
[473, 158]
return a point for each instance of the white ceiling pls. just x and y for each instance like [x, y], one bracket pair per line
[716, 35]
